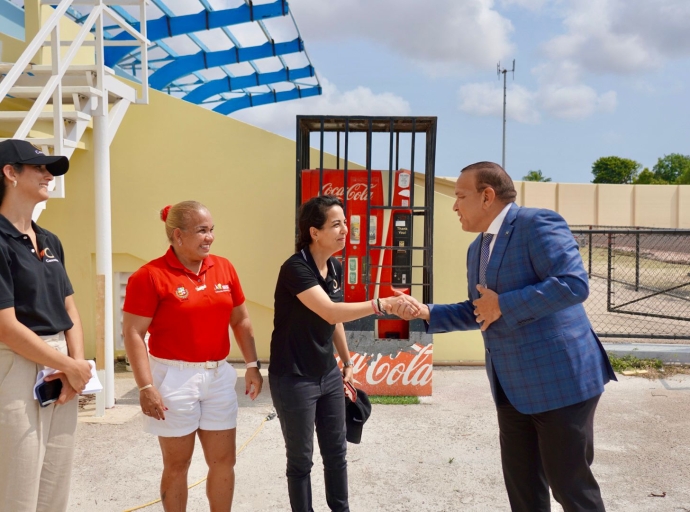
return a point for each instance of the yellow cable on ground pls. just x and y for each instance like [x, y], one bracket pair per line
[251, 438]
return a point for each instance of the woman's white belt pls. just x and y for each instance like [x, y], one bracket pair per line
[54, 337]
[207, 365]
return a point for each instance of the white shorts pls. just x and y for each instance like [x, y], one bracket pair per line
[195, 398]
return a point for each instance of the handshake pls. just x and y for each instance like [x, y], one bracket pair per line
[404, 306]
[486, 308]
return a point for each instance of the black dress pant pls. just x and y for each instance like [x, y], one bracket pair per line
[301, 403]
[551, 449]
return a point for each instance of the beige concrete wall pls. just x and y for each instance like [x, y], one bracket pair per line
[578, 203]
[540, 195]
[656, 206]
[659, 206]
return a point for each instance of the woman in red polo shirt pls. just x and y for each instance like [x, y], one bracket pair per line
[187, 300]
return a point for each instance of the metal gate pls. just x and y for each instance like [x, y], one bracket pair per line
[639, 281]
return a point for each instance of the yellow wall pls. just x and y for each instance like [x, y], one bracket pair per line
[169, 151]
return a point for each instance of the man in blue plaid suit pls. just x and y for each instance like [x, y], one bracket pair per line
[546, 366]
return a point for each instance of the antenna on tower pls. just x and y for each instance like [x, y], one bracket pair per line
[503, 72]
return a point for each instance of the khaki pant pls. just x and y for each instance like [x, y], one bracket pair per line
[36, 443]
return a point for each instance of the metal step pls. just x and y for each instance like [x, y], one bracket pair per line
[19, 115]
[47, 69]
[51, 142]
[32, 92]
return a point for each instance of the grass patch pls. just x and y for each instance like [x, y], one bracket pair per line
[629, 362]
[393, 400]
[654, 368]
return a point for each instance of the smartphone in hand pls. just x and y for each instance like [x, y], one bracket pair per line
[49, 392]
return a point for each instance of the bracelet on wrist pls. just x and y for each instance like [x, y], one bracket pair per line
[376, 307]
[142, 388]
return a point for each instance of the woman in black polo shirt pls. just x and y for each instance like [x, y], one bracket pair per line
[306, 385]
[39, 327]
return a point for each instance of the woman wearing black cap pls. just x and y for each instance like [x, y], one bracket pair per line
[39, 327]
[306, 385]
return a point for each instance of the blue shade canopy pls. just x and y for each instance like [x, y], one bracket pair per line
[223, 54]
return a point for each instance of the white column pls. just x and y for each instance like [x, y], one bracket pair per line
[104, 246]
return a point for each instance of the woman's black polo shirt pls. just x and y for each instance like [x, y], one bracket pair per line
[35, 287]
[302, 341]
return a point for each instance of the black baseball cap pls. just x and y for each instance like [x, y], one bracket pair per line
[356, 414]
[17, 151]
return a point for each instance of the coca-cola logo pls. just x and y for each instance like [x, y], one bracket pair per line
[382, 370]
[355, 192]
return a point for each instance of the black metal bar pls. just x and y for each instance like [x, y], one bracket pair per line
[429, 184]
[646, 336]
[637, 262]
[347, 140]
[609, 275]
[337, 151]
[661, 292]
[590, 255]
[397, 151]
[366, 233]
[321, 158]
[654, 315]
[390, 167]
[674, 232]
[345, 161]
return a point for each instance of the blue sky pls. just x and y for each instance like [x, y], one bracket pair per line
[593, 77]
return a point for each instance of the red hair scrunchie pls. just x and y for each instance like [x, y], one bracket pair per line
[164, 213]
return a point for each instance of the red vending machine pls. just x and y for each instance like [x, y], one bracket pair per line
[389, 359]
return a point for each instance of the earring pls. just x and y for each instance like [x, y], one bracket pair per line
[14, 183]
[179, 242]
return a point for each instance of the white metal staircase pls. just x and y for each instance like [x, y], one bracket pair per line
[60, 99]
[53, 105]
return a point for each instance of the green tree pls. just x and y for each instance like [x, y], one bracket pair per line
[614, 169]
[647, 177]
[671, 167]
[684, 179]
[535, 176]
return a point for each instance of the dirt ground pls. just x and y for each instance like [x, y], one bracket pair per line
[439, 456]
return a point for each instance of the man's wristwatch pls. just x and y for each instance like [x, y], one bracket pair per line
[256, 364]
[348, 363]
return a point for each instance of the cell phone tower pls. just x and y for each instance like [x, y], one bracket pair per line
[503, 72]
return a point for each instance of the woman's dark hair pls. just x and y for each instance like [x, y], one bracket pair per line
[313, 214]
[489, 174]
[18, 168]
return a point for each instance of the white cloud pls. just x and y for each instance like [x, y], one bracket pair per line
[443, 35]
[280, 117]
[486, 99]
[532, 5]
[575, 101]
[525, 106]
[622, 36]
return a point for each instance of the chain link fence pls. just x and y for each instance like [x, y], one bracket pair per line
[639, 281]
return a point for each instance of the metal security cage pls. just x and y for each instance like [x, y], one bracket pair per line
[390, 242]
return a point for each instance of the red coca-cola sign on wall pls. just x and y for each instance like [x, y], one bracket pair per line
[408, 373]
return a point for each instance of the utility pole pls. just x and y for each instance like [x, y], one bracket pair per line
[503, 72]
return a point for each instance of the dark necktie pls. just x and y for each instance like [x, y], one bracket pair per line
[484, 259]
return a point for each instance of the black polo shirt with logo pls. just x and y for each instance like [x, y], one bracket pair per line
[35, 285]
[302, 341]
